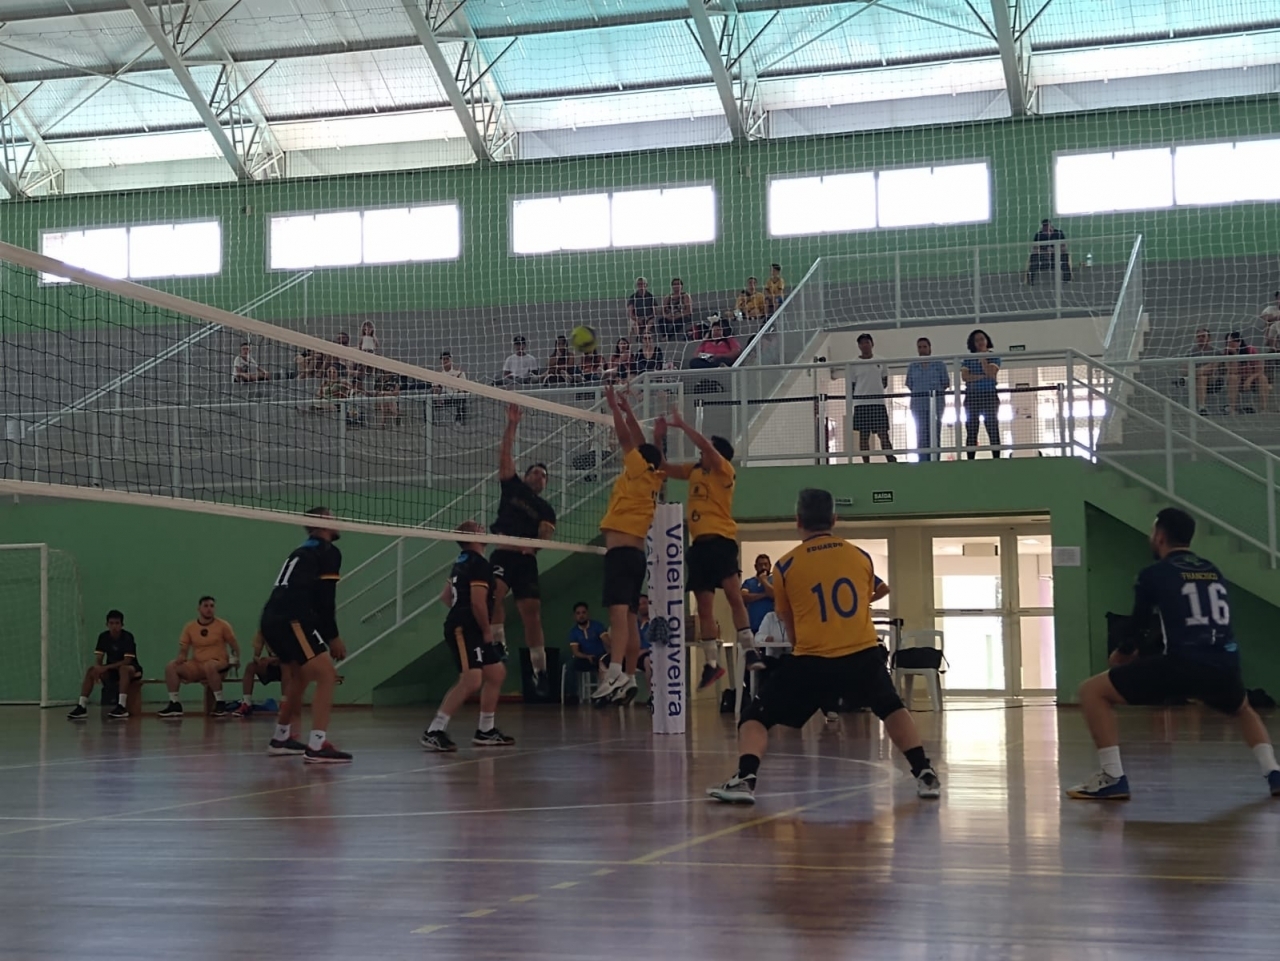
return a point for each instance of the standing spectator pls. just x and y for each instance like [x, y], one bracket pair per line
[1244, 375]
[650, 356]
[870, 416]
[775, 288]
[1271, 313]
[450, 397]
[1048, 246]
[752, 303]
[244, 369]
[928, 382]
[368, 339]
[116, 653]
[621, 363]
[719, 349]
[587, 641]
[980, 397]
[1207, 374]
[559, 364]
[677, 312]
[520, 367]
[757, 592]
[642, 307]
[206, 651]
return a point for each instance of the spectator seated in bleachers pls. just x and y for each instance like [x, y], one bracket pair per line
[263, 668]
[1245, 376]
[677, 313]
[1270, 316]
[308, 364]
[590, 369]
[559, 364]
[642, 309]
[1208, 375]
[646, 646]
[649, 356]
[386, 387]
[621, 363]
[246, 370]
[1047, 246]
[587, 641]
[206, 651]
[116, 653]
[719, 349]
[775, 288]
[520, 367]
[449, 398]
[752, 304]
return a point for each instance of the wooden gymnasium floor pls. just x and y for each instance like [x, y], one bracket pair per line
[592, 839]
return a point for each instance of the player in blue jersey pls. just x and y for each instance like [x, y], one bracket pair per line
[1201, 660]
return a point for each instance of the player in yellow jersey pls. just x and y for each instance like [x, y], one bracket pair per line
[713, 545]
[625, 526]
[822, 592]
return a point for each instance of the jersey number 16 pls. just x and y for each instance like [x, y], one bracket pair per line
[1219, 609]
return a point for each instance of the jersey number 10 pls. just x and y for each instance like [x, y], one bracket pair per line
[1219, 609]
[838, 604]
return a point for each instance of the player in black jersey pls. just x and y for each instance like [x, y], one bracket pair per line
[521, 513]
[116, 653]
[468, 633]
[1201, 659]
[299, 623]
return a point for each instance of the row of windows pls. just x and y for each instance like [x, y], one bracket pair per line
[1085, 183]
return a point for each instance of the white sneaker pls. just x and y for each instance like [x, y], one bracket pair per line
[927, 784]
[610, 687]
[736, 790]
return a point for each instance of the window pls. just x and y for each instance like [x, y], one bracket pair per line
[912, 197]
[1157, 178]
[350, 238]
[148, 252]
[660, 217]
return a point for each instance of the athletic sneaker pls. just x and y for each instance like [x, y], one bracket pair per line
[927, 784]
[753, 660]
[492, 738]
[243, 710]
[77, 713]
[1273, 781]
[710, 674]
[621, 696]
[830, 716]
[736, 790]
[118, 713]
[438, 741]
[328, 754]
[541, 685]
[610, 687]
[219, 709]
[1102, 787]
[286, 748]
[171, 713]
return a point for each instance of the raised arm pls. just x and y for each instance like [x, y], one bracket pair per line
[506, 458]
[619, 420]
[711, 459]
[633, 425]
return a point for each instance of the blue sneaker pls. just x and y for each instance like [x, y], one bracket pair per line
[1102, 787]
[1273, 781]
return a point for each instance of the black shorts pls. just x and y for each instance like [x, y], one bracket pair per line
[624, 571]
[518, 571]
[802, 684]
[1161, 678]
[469, 649]
[711, 560]
[871, 418]
[294, 642]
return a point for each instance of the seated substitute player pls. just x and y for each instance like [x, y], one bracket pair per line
[522, 512]
[1201, 658]
[299, 623]
[713, 545]
[822, 593]
[468, 633]
[115, 652]
[625, 526]
[264, 667]
[206, 651]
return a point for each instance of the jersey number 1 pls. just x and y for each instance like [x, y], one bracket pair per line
[286, 572]
[1219, 609]
[841, 610]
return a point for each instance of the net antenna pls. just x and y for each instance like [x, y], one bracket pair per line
[116, 392]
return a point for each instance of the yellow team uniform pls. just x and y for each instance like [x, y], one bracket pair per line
[775, 287]
[751, 305]
[635, 493]
[710, 506]
[826, 584]
[206, 642]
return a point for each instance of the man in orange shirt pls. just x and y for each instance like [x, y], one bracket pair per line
[207, 649]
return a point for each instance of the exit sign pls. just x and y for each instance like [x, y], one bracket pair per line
[882, 497]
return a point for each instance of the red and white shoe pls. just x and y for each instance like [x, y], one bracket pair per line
[328, 754]
[243, 710]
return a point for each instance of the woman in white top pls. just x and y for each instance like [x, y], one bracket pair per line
[368, 339]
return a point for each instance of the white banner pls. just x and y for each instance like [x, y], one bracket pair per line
[665, 551]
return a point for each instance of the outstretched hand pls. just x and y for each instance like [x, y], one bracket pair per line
[675, 418]
[513, 414]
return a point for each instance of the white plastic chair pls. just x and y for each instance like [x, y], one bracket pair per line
[904, 677]
[586, 683]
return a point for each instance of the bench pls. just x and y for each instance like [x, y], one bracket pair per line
[229, 676]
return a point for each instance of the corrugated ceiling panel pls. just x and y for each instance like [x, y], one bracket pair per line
[489, 15]
[98, 42]
[1073, 22]
[258, 28]
[155, 102]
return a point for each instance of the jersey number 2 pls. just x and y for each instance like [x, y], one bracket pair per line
[1219, 609]
[286, 572]
[837, 599]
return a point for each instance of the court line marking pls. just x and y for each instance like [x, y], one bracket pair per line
[563, 885]
[521, 898]
[478, 913]
[429, 928]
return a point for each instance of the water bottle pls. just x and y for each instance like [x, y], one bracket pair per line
[1088, 260]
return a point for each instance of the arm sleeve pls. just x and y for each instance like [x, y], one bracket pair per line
[1143, 604]
[326, 592]
[130, 646]
[781, 603]
[184, 642]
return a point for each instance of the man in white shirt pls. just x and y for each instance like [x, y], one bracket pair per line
[870, 416]
[520, 367]
[244, 369]
[451, 396]
[1271, 325]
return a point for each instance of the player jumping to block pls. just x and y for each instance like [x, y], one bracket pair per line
[521, 513]
[468, 633]
[713, 546]
[299, 623]
[1201, 659]
[822, 592]
[625, 526]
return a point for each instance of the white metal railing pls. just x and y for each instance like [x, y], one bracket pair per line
[1124, 334]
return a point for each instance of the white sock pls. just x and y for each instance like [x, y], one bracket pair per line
[538, 658]
[282, 732]
[84, 702]
[173, 697]
[217, 695]
[746, 639]
[486, 721]
[1109, 758]
[123, 700]
[441, 722]
[710, 653]
[1266, 756]
[499, 632]
[317, 740]
[614, 672]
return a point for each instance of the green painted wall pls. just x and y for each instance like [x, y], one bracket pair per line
[1020, 151]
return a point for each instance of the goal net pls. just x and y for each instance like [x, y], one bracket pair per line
[42, 619]
[117, 392]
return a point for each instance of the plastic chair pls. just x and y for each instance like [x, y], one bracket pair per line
[586, 682]
[904, 677]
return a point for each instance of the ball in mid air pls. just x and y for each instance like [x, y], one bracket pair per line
[583, 339]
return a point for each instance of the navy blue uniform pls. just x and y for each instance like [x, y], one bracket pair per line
[300, 617]
[1201, 659]
[520, 513]
[462, 631]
